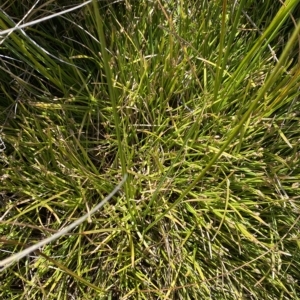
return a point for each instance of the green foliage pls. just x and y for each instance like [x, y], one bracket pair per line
[198, 102]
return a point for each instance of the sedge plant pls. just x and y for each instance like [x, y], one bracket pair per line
[197, 101]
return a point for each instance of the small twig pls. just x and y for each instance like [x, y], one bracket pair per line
[260, 32]
[2, 145]
[16, 257]
[18, 26]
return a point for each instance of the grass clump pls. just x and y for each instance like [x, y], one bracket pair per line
[197, 101]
